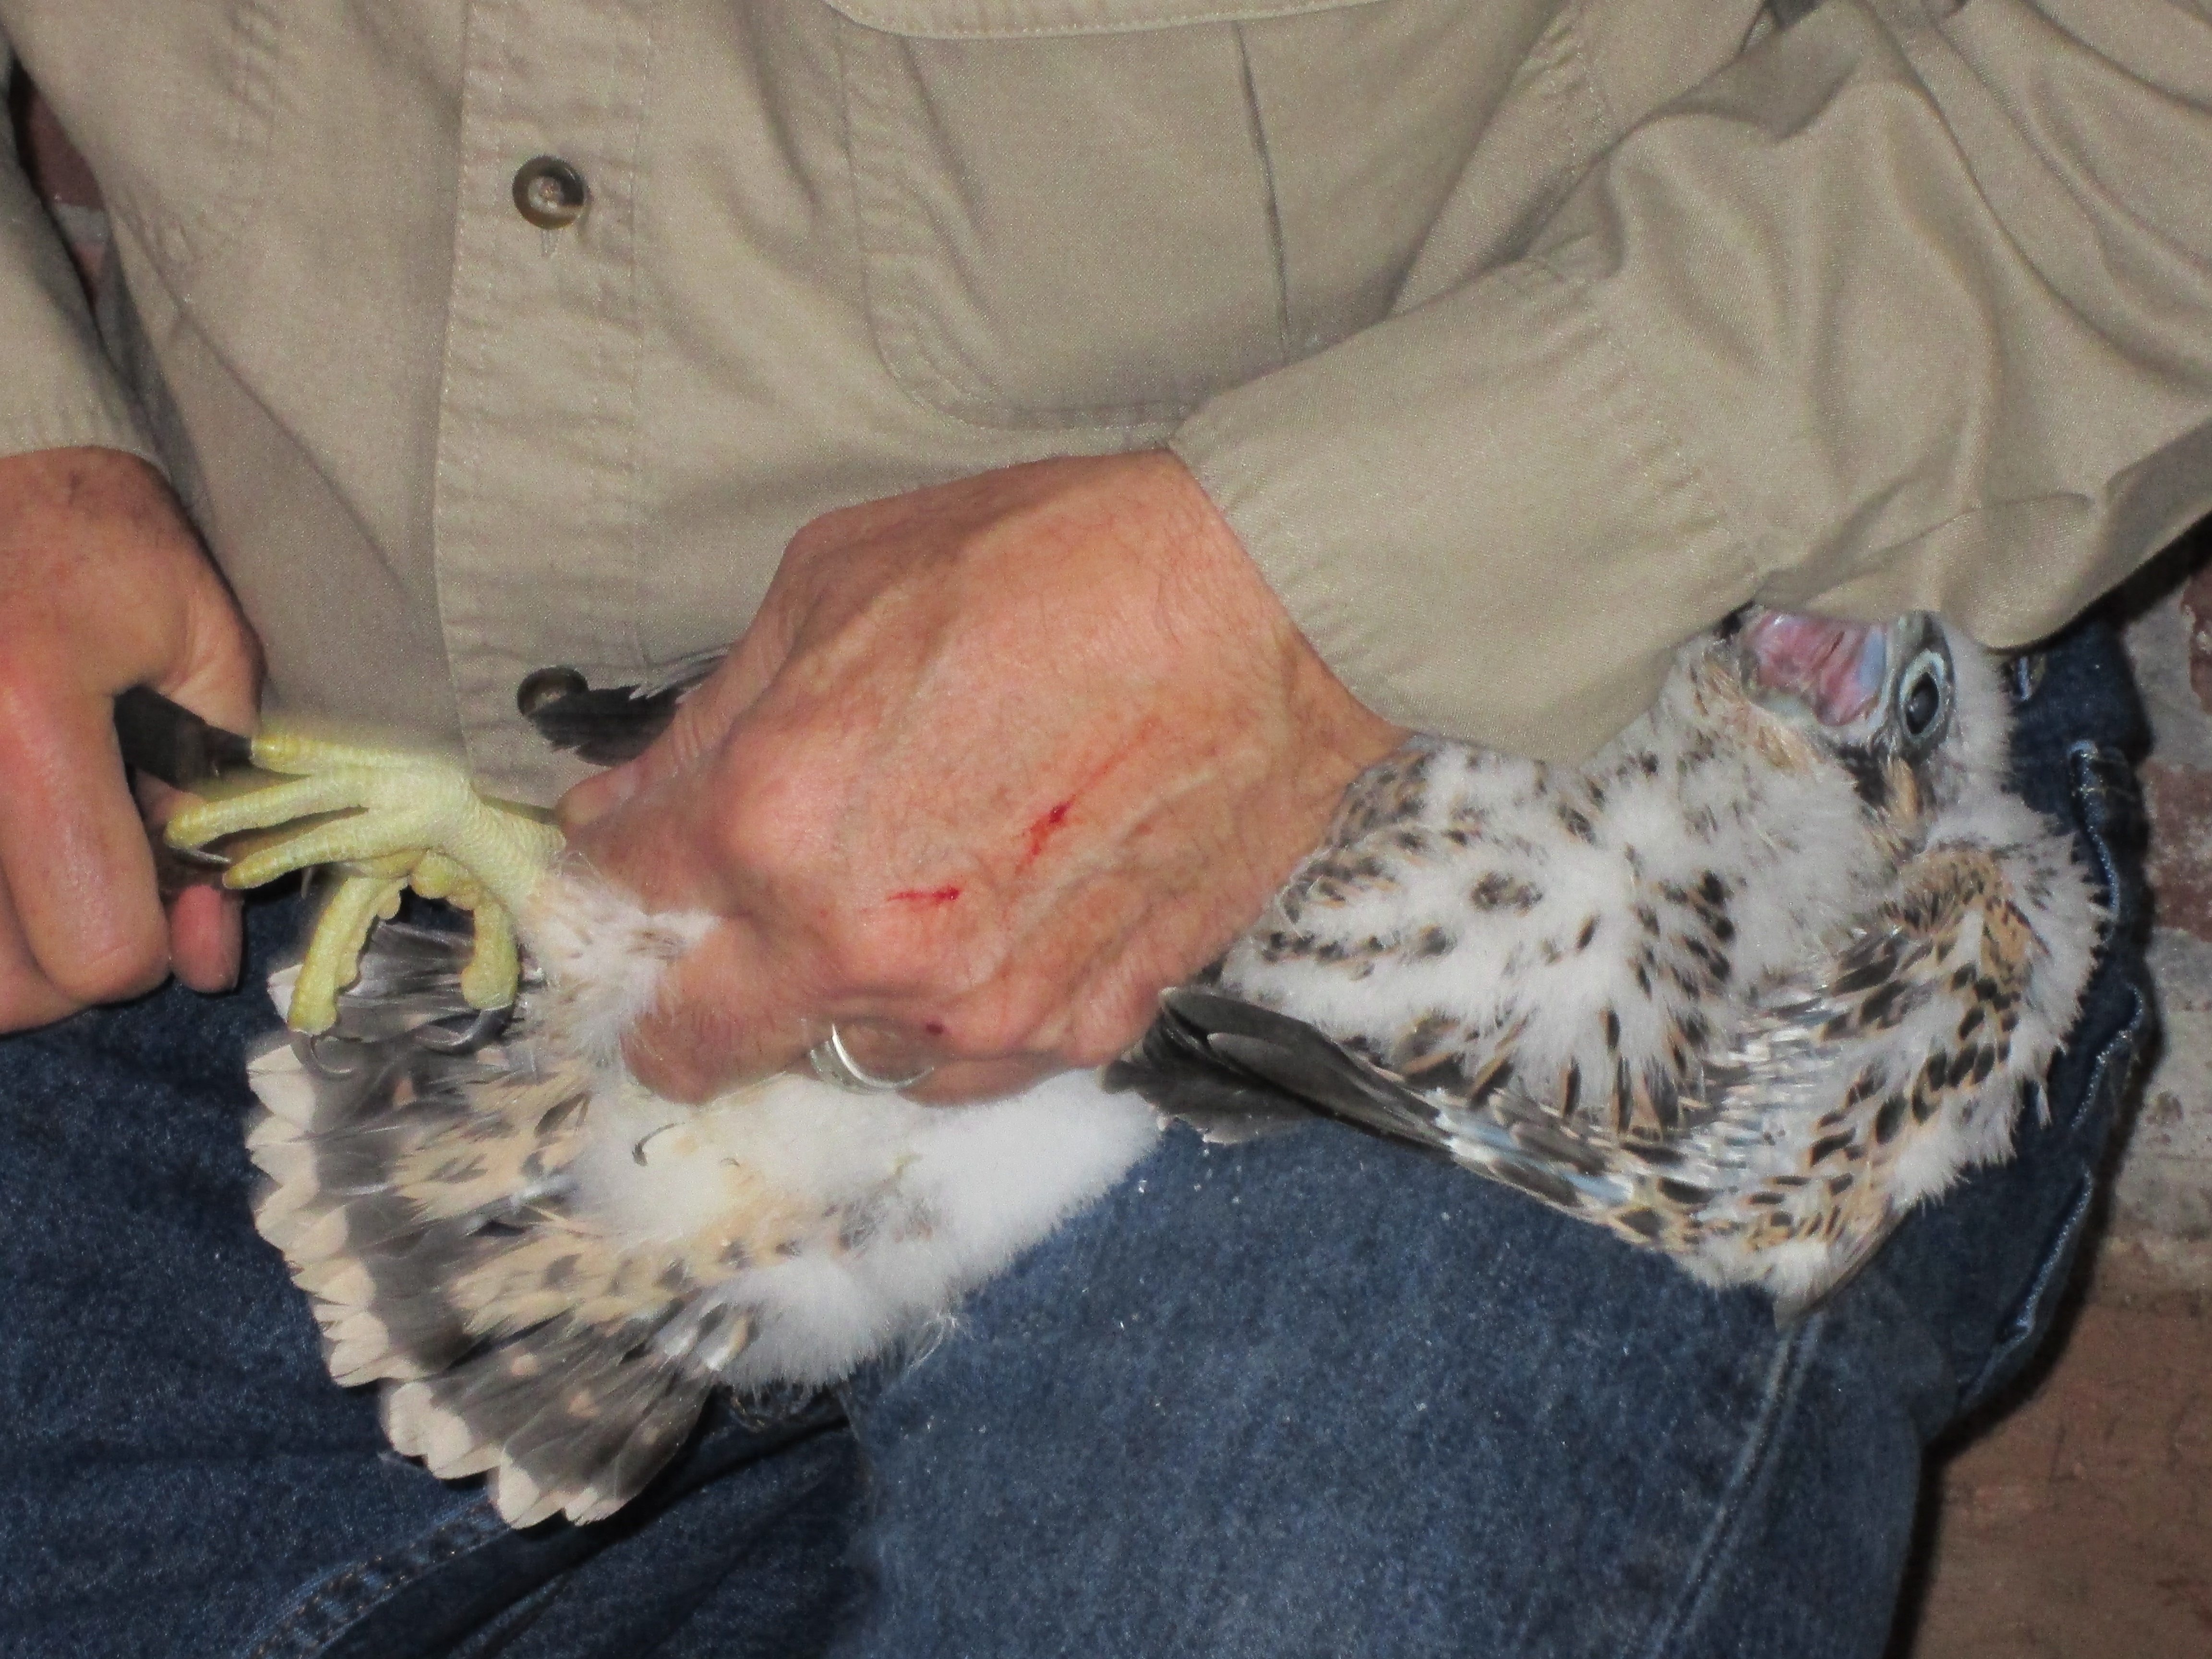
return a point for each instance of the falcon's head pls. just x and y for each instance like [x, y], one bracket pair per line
[1912, 710]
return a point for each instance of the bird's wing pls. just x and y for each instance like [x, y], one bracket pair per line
[1848, 1098]
[1837, 1104]
[1207, 1054]
[1176, 1068]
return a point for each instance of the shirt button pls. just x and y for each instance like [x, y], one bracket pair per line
[549, 193]
[543, 687]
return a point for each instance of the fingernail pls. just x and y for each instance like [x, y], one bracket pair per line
[594, 798]
[233, 937]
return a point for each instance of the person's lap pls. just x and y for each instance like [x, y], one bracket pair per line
[179, 1474]
[1311, 1394]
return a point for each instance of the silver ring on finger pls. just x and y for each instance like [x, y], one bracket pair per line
[834, 1064]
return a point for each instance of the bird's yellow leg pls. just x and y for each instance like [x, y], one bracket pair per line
[410, 819]
[363, 893]
[395, 802]
[496, 964]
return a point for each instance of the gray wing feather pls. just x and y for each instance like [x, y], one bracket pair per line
[1205, 1044]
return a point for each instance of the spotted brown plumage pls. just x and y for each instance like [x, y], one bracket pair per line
[1774, 966]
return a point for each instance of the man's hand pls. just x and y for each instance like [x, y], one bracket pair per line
[997, 761]
[102, 586]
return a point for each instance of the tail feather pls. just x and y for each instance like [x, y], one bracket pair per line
[416, 1193]
[567, 1419]
[549, 1269]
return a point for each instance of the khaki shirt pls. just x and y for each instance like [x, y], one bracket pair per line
[1518, 339]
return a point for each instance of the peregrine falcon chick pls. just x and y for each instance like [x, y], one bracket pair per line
[1777, 964]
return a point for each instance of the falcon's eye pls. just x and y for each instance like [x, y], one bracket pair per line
[1923, 699]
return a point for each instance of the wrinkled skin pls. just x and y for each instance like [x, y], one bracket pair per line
[998, 761]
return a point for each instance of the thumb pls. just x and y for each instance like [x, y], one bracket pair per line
[701, 722]
[215, 669]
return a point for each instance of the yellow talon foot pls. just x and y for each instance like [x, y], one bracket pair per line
[333, 958]
[407, 820]
[495, 965]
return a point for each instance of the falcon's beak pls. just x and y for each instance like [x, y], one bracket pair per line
[1836, 672]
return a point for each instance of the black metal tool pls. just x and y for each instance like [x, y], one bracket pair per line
[167, 741]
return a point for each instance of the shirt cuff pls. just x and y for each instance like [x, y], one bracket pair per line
[1478, 515]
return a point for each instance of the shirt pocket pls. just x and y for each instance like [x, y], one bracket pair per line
[1065, 208]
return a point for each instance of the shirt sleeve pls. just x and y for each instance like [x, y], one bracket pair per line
[58, 388]
[1900, 310]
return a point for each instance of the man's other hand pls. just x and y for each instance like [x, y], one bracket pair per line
[998, 761]
[103, 586]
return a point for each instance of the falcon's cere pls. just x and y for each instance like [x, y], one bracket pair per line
[1777, 964]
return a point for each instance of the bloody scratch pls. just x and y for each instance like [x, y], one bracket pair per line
[1046, 828]
[925, 896]
[1050, 824]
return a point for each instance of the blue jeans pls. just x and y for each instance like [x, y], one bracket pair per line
[1309, 1395]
